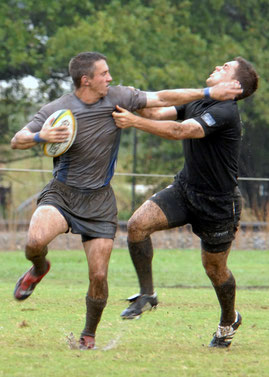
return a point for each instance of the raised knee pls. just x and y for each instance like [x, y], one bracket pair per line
[134, 228]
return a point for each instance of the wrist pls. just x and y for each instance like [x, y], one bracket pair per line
[207, 92]
[39, 139]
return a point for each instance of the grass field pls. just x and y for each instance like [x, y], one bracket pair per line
[37, 335]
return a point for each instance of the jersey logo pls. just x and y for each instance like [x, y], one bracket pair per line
[208, 119]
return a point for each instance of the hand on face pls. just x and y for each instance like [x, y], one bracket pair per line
[226, 90]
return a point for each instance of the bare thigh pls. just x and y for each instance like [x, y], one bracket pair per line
[46, 223]
[146, 219]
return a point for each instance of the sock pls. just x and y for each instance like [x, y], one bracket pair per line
[94, 310]
[142, 254]
[226, 296]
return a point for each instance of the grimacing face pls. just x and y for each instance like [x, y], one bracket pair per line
[223, 73]
[101, 79]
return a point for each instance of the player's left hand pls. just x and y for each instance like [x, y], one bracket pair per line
[123, 118]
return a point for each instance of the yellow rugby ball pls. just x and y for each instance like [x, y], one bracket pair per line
[61, 117]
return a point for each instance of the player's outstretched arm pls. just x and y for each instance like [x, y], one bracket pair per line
[174, 97]
[167, 129]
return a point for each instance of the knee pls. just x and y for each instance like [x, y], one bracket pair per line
[34, 248]
[98, 278]
[217, 273]
[212, 269]
[137, 229]
[132, 226]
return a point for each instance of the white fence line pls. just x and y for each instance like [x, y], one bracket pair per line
[125, 174]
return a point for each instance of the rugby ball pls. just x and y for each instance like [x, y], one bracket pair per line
[61, 117]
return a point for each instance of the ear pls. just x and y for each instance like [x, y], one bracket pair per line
[85, 81]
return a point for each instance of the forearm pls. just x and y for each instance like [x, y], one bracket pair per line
[174, 97]
[166, 129]
[23, 140]
[221, 92]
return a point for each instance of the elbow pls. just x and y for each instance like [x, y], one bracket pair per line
[176, 133]
[157, 114]
[13, 144]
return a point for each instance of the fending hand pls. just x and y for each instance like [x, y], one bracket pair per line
[123, 118]
[226, 90]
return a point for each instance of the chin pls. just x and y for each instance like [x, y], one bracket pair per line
[209, 82]
[105, 91]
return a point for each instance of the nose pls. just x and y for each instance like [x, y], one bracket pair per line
[218, 68]
[109, 78]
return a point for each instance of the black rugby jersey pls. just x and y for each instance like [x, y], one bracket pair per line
[211, 163]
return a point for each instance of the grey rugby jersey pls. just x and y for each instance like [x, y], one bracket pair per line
[90, 162]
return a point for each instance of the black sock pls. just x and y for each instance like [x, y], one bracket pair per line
[142, 254]
[94, 310]
[226, 296]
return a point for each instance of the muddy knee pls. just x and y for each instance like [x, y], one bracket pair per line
[137, 230]
[35, 249]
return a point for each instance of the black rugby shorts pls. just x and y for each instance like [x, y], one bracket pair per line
[214, 218]
[91, 213]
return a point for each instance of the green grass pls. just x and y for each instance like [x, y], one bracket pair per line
[169, 341]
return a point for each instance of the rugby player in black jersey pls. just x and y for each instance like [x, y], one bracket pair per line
[204, 193]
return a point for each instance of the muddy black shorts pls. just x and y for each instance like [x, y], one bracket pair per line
[214, 218]
[91, 213]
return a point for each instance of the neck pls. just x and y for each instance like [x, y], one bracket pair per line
[86, 95]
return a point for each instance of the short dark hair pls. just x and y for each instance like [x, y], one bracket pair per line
[247, 76]
[83, 64]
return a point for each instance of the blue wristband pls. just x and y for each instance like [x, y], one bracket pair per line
[207, 92]
[39, 139]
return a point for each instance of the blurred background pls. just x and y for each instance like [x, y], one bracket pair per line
[151, 45]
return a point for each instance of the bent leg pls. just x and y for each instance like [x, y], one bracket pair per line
[46, 223]
[98, 253]
[146, 220]
[222, 279]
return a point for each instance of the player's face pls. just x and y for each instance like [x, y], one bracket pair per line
[223, 73]
[101, 79]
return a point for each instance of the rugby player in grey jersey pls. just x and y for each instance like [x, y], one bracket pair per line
[80, 197]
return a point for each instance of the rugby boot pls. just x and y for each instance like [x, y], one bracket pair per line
[86, 342]
[139, 304]
[27, 283]
[224, 335]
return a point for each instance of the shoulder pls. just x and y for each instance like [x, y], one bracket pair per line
[127, 97]
[227, 110]
[120, 90]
